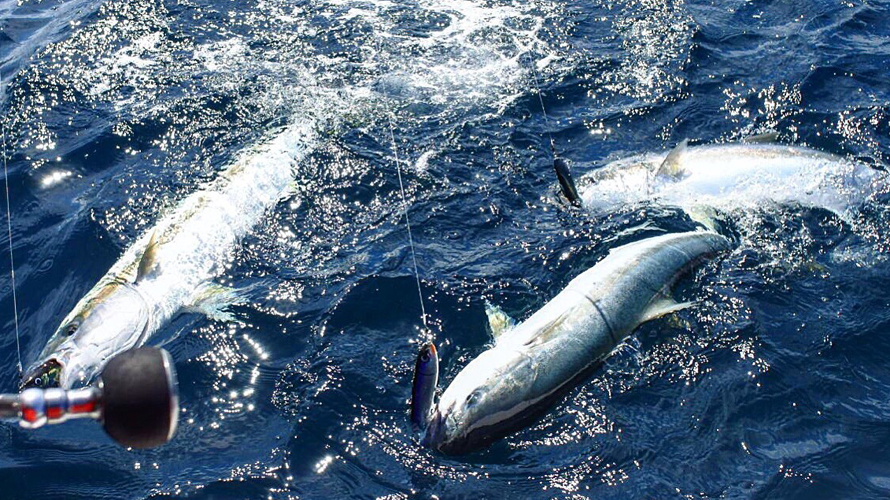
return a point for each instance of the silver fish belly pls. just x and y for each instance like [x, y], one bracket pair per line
[530, 364]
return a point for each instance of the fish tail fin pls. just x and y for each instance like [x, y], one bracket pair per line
[566, 181]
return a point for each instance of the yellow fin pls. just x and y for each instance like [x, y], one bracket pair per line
[147, 261]
[498, 321]
[661, 306]
[670, 167]
[706, 216]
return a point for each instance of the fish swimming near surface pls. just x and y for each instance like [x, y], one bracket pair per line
[533, 363]
[730, 176]
[170, 267]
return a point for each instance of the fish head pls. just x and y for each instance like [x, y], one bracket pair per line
[427, 361]
[481, 402]
[103, 324]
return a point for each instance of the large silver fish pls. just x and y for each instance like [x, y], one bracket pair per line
[170, 267]
[532, 363]
[730, 176]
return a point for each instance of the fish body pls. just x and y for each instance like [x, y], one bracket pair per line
[731, 176]
[170, 267]
[534, 362]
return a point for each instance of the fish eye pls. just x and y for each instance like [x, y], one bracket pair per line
[425, 356]
[40, 381]
[472, 399]
[72, 327]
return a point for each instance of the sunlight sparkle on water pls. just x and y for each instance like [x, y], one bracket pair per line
[54, 178]
[324, 463]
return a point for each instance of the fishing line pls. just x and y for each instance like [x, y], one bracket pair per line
[15, 305]
[398, 163]
[543, 109]
[560, 167]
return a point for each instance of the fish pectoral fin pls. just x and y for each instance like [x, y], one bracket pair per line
[764, 138]
[213, 300]
[547, 331]
[661, 306]
[670, 167]
[498, 321]
[149, 256]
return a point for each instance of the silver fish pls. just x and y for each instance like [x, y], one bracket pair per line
[532, 363]
[170, 267]
[731, 176]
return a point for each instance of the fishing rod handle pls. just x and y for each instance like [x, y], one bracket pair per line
[9, 406]
[38, 407]
[136, 399]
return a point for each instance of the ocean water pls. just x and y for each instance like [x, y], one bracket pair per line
[775, 385]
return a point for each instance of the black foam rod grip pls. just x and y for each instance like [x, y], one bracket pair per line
[140, 402]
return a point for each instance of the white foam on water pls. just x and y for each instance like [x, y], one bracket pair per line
[655, 41]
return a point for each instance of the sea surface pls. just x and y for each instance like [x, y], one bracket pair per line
[776, 384]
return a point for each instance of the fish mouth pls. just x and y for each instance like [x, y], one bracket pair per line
[435, 431]
[448, 436]
[45, 375]
[441, 434]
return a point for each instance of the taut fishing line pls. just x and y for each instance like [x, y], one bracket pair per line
[560, 167]
[398, 163]
[543, 109]
[15, 305]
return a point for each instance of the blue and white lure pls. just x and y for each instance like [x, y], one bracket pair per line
[426, 378]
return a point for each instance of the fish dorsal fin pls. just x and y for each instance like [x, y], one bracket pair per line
[662, 305]
[670, 167]
[498, 321]
[147, 261]
[764, 138]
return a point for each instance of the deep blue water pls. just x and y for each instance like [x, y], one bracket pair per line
[774, 386]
